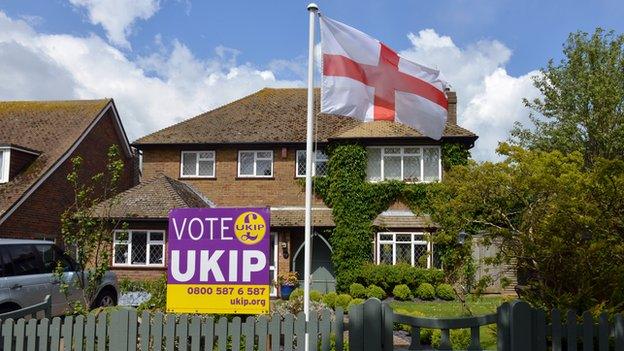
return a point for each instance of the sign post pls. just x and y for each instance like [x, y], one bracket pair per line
[218, 260]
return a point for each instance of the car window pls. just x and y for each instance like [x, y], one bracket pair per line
[25, 260]
[7, 266]
[51, 257]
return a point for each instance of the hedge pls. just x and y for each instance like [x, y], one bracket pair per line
[388, 276]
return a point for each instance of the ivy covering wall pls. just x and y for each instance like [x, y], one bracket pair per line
[356, 202]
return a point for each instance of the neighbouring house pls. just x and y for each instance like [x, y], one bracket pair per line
[251, 153]
[38, 139]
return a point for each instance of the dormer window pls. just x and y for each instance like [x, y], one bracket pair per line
[407, 163]
[4, 164]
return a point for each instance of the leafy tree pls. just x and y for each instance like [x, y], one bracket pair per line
[87, 233]
[559, 223]
[582, 103]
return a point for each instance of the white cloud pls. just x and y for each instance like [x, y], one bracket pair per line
[489, 99]
[118, 16]
[151, 92]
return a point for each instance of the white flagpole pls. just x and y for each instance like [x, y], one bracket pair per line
[312, 9]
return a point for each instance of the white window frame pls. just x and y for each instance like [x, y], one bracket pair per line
[413, 242]
[255, 163]
[5, 164]
[316, 157]
[128, 242]
[197, 159]
[402, 155]
[274, 266]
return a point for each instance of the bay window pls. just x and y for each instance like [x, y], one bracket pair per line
[139, 248]
[401, 247]
[406, 163]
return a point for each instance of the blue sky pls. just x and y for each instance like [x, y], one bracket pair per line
[200, 54]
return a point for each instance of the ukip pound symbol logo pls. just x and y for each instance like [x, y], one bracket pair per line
[250, 228]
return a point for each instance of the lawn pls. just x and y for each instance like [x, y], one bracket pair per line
[441, 309]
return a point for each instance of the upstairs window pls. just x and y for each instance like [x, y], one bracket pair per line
[407, 163]
[320, 163]
[197, 164]
[256, 164]
[4, 165]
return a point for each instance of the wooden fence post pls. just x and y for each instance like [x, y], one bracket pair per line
[502, 327]
[387, 328]
[520, 326]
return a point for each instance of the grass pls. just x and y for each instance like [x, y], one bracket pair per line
[449, 309]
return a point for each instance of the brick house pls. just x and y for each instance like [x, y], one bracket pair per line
[251, 153]
[38, 139]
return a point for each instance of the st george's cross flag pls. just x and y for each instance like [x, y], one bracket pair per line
[365, 79]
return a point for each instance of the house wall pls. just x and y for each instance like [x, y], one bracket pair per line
[39, 216]
[227, 189]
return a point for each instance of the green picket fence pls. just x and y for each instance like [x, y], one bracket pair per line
[126, 330]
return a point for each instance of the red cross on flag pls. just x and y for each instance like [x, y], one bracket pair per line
[365, 79]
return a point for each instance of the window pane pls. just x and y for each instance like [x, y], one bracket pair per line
[156, 254]
[392, 150]
[385, 253]
[246, 163]
[264, 154]
[412, 150]
[320, 168]
[206, 168]
[392, 167]
[404, 253]
[25, 260]
[301, 163]
[321, 156]
[385, 237]
[404, 237]
[188, 163]
[431, 158]
[121, 253]
[373, 170]
[420, 255]
[411, 168]
[48, 258]
[206, 154]
[139, 248]
[263, 168]
[156, 236]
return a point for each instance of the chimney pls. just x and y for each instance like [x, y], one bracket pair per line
[452, 107]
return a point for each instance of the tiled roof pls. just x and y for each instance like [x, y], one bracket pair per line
[152, 199]
[295, 217]
[402, 219]
[277, 115]
[49, 127]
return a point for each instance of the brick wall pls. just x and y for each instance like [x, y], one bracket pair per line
[39, 216]
[226, 189]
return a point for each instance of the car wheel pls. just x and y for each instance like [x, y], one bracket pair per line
[106, 299]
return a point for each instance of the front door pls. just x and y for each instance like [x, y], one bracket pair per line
[323, 278]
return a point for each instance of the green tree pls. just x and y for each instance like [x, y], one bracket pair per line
[559, 223]
[582, 103]
[89, 234]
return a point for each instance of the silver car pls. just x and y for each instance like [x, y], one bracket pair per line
[26, 277]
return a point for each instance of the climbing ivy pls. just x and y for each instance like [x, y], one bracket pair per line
[356, 203]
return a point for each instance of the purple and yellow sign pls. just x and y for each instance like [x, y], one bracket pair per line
[218, 260]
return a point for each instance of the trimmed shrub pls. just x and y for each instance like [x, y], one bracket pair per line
[330, 299]
[425, 336]
[376, 292]
[357, 290]
[402, 292]
[445, 292]
[460, 339]
[355, 302]
[343, 301]
[295, 294]
[388, 276]
[316, 296]
[426, 291]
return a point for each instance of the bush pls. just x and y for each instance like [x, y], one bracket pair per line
[295, 294]
[388, 276]
[355, 302]
[330, 299]
[343, 301]
[316, 296]
[376, 292]
[425, 336]
[445, 292]
[402, 292]
[460, 339]
[295, 306]
[127, 285]
[158, 294]
[426, 291]
[357, 290]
